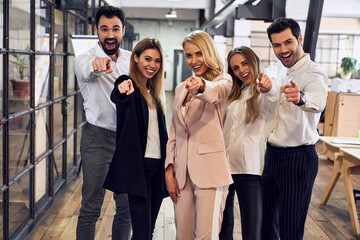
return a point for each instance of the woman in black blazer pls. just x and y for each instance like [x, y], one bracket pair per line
[137, 167]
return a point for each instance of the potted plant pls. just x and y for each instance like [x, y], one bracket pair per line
[20, 84]
[348, 65]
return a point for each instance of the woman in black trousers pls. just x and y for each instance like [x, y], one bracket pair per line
[137, 167]
[250, 104]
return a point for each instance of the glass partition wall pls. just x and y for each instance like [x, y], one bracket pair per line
[41, 113]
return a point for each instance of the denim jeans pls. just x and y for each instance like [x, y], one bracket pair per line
[97, 148]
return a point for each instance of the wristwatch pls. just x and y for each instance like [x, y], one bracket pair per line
[302, 99]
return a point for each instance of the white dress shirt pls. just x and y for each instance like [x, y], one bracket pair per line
[297, 125]
[245, 142]
[96, 86]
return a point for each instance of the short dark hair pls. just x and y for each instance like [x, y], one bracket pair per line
[282, 23]
[109, 12]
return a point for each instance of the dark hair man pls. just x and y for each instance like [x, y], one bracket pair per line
[291, 162]
[96, 71]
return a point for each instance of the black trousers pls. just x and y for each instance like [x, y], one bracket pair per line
[249, 191]
[288, 179]
[144, 211]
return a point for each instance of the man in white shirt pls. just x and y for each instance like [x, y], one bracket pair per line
[291, 162]
[96, 71]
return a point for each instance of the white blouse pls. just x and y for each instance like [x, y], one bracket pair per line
[153, 138]
[245, 142]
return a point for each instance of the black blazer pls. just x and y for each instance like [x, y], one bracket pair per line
[126, 171]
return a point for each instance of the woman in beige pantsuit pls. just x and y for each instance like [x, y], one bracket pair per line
[197, 172]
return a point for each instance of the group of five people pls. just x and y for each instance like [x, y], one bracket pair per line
[216, 147]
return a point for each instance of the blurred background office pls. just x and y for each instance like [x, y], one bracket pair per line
[41, 113]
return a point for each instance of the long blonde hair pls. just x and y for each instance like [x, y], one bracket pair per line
[253, 61]
[156, 97]
[207, 47]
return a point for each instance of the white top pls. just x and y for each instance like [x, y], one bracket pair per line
[153, 138]
[96, 86]
[296, 125]
[245, 142]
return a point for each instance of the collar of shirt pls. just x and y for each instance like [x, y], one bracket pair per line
[299, 64]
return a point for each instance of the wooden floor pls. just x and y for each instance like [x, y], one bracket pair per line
[323, 222]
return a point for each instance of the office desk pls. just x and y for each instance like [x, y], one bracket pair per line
[343, 166]
[350, 162]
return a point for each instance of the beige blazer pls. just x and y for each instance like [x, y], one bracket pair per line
[196, 143]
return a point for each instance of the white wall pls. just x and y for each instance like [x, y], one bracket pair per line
[170, 34]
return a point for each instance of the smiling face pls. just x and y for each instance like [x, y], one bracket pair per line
[287, 48]
[110, 32]
[240, 68]
[195, 59]
[148, 63]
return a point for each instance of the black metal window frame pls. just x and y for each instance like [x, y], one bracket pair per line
[36, 209]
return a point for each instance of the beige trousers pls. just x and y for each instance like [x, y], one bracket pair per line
[199, 212]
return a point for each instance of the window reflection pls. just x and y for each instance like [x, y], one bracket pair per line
[19, 203]
[71, 75]
[19, 145]
[57, 170]
[41, 146]
[1, 84]
[70, 114]
[1, 159]
[1, 25]
[42, 22]
[41, 132]
[70, 153]
[59, 23]
[19, 34]
[58, 123]
[58, 76]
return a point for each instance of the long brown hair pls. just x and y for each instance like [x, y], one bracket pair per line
[207, 47]
[157, 94]
[253, 61]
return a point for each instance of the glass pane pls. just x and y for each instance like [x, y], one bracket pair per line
[70, 153]
[19, 76]
[1, 160]
[19, 202]
[42, 63]
[41, 177]
[58, 123]
[19, 34]
[1, 27]
[19, 140]
[42, 26]
[1, 82]
[58, 155]
[80, 110]
[71, 75]
[41, 146]
[59, 23]
[70, 114]
[71, 31]
[79, 135]
[41, 132]
[58, 76]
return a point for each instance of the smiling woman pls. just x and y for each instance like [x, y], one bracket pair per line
[197, 173]
[137, 167]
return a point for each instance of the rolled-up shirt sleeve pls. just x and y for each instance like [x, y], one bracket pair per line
[315, 91]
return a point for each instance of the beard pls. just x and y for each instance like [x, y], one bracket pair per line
[110, 51]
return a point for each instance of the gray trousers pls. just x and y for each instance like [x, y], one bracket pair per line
[96, 149]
